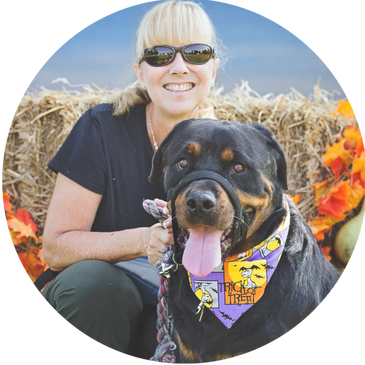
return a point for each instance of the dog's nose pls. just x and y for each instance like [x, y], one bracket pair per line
[198, 202]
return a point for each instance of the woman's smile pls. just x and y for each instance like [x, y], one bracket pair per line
[179, 87]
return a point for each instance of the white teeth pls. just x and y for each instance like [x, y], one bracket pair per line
[225, 234]
[248, 210]
[175, 87]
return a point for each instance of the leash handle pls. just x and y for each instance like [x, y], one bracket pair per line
[152, 208]
[167, 263]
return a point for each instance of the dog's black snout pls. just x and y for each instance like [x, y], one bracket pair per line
[199, 202]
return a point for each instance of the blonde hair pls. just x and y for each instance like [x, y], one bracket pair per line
[171, 23]
[175, 23]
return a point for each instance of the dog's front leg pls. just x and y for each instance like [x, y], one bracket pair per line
[187, 355]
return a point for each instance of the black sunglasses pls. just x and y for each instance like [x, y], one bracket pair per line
[196, 53]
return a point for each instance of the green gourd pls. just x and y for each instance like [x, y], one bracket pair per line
[347, 237]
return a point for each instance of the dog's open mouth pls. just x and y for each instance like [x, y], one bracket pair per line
[225, 240]
[205, 247]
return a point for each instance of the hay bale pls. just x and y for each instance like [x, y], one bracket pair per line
[41, 124]
[303, 126]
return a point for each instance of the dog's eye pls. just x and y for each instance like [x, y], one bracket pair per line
[237, 167]
[183, 163]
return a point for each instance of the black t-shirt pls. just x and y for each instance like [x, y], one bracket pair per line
[112, 155]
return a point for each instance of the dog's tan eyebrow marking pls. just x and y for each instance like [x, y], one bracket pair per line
[228, 155]
[194, 148]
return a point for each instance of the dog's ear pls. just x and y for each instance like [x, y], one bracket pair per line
[158, 157]
[280, 156]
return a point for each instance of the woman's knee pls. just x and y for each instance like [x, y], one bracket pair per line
[98, 299]
[94, 285]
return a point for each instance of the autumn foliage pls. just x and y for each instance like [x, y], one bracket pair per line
[343, 191]
[25, 236]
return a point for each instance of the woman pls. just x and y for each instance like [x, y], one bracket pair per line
[102, 175]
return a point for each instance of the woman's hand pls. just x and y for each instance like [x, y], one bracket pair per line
[160, 235]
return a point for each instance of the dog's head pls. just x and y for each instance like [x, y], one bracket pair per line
[248, 158]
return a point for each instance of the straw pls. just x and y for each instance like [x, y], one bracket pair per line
[302, 125]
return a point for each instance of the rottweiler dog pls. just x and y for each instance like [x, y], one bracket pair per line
[213, 229]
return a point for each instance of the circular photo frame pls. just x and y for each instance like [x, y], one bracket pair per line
[289, 213]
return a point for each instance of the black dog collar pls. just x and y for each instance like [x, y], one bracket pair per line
[239, 226]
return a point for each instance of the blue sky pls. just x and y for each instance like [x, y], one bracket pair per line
[258, 50]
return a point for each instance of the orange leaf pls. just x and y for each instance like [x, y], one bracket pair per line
[356, 177]
[356, 195]
[359, 166]
[337, 151]
[20, 228]
[297, 198]
[359, 148]
[7, 205]
[35, 266]
[26, 218]
[338, 167]
[321, 225]
[319, 236]
[326, 251]
[335, 207]
[341, 190]
[345, 109]
[353, 135]
[319, 228]
[321, 188]
[319, 231]
[335, 202]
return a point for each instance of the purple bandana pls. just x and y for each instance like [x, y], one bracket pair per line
[234, 287]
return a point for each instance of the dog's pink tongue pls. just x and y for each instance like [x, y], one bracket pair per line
[203, 250]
